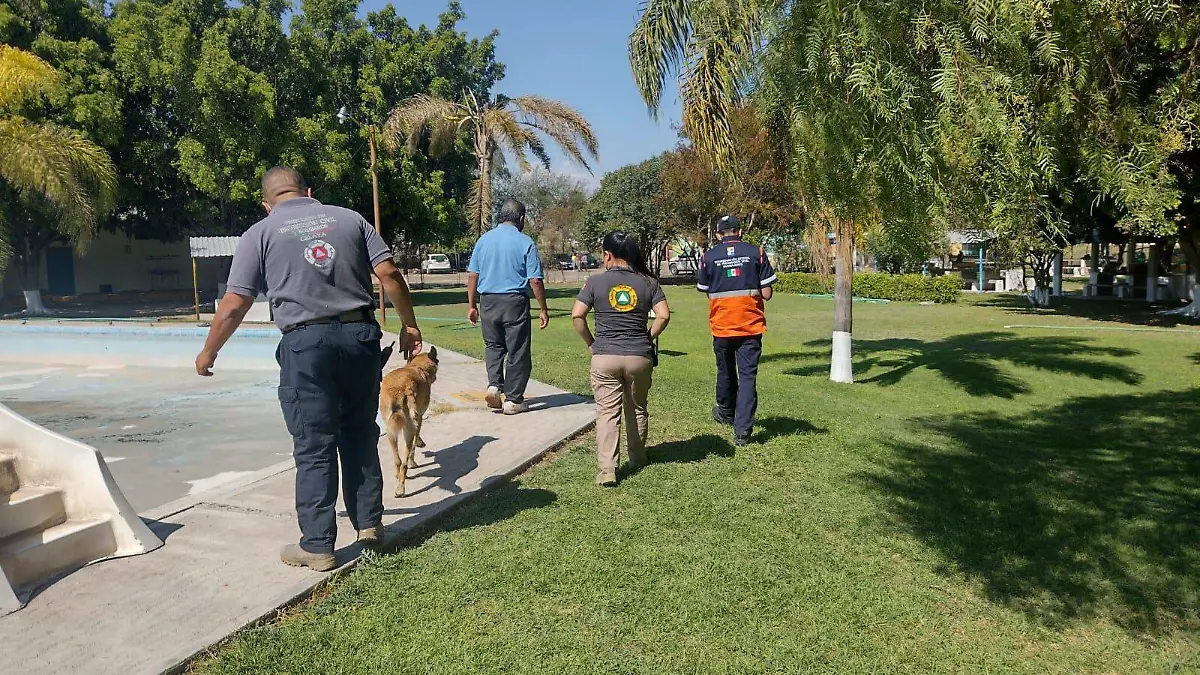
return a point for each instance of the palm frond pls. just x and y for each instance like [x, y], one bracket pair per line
[711, 45]
[507, 133]
[562, 123]
[24, 76]
[657, 46]
[75, 175]
[718, 60]
[414, 116]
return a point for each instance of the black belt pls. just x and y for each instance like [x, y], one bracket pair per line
[353, 316]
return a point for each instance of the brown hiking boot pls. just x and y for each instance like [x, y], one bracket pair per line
[606, 478]
[295, 556]
[371, 537]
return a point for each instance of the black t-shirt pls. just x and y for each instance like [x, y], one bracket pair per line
[622, 300]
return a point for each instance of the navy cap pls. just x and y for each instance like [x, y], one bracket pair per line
[728, 224]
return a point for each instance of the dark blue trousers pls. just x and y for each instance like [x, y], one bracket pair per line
[329, 378]
[737, 380]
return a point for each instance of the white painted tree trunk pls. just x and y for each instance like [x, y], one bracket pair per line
[34, 305]
[1191, 311]
[1039, 297]
[841, 369]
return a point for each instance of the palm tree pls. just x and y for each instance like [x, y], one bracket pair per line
[74, 176]
[515, 125]
[712, 47]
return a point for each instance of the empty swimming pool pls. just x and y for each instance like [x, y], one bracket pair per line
[132, 392]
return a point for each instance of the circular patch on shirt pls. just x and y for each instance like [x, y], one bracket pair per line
[623, 298]
[320, 254]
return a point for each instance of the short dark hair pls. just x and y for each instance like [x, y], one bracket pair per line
[513, 211]
[728, 224]
[281, 180]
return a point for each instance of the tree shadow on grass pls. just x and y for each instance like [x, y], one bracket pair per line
[1195, 358]
[972, 361]
[775, 426]
[695, 449]
[499, 501]
[797, 356]
[1088, 510]
[1134, 312]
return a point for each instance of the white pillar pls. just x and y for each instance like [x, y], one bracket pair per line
[1056, 270]
[1094, 280]
[1152, 274]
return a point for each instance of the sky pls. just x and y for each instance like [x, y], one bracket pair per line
[573, 51]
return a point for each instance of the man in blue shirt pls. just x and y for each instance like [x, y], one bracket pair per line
[505, 263]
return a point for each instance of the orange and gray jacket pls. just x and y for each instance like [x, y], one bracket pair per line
[733, 274]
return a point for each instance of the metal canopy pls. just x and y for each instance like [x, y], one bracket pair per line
[213, 247]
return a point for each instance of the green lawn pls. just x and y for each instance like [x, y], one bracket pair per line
[984, 500]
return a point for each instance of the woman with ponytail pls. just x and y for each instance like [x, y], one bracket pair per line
[622, 349]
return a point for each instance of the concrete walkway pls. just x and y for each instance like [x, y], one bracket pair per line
[219, 570]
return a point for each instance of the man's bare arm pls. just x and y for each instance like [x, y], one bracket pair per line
[394, 284]
[539, 292]
[230, 313]
[473, 297]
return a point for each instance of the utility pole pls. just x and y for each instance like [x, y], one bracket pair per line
[378, 230]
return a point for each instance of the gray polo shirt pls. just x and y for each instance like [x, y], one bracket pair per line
[622, 300]
[312, 260]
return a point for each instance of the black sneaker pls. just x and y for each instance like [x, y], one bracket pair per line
[741, 440]
[720, 417]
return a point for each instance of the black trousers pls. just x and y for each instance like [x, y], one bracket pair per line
[507, 337]
[329, 391]
[737, 380]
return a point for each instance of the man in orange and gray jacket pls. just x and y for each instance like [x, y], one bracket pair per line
[737, 278]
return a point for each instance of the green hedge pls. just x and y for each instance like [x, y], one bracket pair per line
[902, 287]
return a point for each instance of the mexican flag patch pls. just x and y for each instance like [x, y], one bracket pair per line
[733, 272]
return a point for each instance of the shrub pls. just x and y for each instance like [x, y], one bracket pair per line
[901, 287]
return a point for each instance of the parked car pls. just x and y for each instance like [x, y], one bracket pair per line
[590, 262]
[436, 263]
[683, 264]
[564, 261]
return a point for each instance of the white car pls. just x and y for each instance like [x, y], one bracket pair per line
[436, 263]
[684, 264]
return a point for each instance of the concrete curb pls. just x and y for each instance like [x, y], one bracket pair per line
[302, 592]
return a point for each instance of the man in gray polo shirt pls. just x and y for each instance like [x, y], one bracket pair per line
[314, 261]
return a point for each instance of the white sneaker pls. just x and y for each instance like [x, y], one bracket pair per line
[511, 408]
[493, 398]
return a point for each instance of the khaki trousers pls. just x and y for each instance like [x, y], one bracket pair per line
[621, 383]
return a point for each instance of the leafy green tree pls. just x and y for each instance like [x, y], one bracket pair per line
[988, 114]
[631, 199]
[47, 170]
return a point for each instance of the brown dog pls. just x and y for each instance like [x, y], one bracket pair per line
[403, 400]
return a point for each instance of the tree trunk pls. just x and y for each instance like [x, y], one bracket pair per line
[483, 158]
[1189, 241]
[31, 273]
[842, 369]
